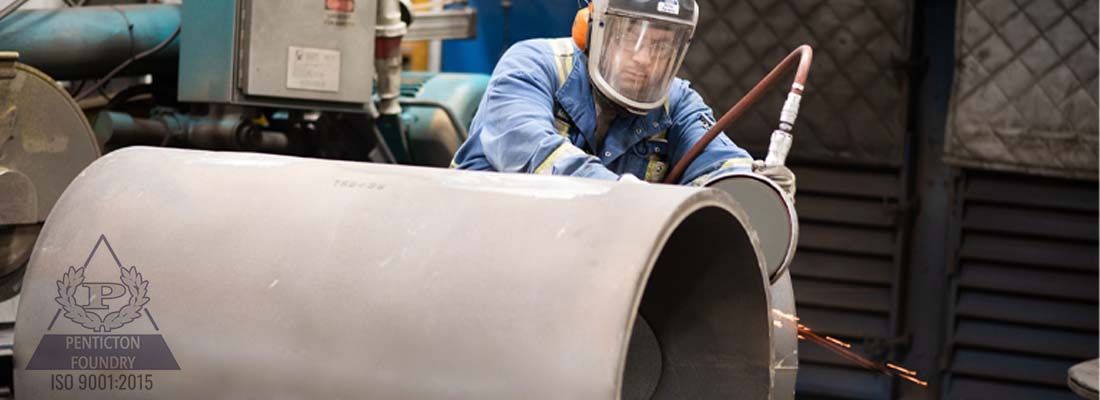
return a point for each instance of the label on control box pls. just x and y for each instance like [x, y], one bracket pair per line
[313, 69]
[340, 12]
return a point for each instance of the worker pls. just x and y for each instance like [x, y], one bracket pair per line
[603, 104]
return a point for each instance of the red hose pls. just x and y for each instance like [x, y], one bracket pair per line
[804, 54]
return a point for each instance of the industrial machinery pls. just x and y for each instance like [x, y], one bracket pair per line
[44, 143]
[436, 109]
[278, 77]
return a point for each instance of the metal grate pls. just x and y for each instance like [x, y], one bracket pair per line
[1024, 296]
[1025, 93]
[855, 104]
[846, 275]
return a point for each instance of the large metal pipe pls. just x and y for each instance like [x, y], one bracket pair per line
[280, 277]
[87, 42]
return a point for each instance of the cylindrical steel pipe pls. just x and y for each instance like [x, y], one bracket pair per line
[87, 42]
[275, 276]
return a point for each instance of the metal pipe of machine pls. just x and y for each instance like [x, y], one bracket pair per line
[87, 42]
[189, 274]
[387, 56]
[218, 131]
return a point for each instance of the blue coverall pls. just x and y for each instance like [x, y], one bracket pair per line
[534, 119]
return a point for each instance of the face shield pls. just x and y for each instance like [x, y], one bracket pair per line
[633, 59]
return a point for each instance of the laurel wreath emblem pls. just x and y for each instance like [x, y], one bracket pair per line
[131, 279]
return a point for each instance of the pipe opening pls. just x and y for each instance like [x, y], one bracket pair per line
[703, 329]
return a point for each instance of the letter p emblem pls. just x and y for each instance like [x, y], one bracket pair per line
[100, 291]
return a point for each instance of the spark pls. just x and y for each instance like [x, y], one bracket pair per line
[845, 345]
[914, 380]
[902, 370]
[843, 349]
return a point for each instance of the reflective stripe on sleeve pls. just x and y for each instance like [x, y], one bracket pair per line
[737, 162]
[563, 60]
[563, 57]
[566, 149]
[733, 162]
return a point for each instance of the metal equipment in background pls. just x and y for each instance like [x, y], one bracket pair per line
[275, 294]
[277, 77]
[286, 54]
[44, 143]
[437, 109]
[87, 42]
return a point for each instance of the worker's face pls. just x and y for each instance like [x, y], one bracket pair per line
[640, 56]
[642, 52]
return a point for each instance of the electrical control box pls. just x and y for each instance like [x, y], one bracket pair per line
[311, 54]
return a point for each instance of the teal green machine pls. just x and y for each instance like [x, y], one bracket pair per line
[436, 112]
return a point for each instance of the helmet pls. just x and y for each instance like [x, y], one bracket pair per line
[635, 47]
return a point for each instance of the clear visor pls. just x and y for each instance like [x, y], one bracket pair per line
[640, 57]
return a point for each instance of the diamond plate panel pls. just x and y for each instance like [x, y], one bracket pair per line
[1025, 91]
[856, 99]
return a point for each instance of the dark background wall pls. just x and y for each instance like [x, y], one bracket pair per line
[981, 277]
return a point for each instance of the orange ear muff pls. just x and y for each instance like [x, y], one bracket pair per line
[580, 27]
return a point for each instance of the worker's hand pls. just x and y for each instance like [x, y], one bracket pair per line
[628, 177]
[781, 175]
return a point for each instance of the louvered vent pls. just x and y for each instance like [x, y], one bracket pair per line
[1024, 286]
[845, 275]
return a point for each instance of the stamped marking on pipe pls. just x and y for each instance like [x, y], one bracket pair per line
[354, 184]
